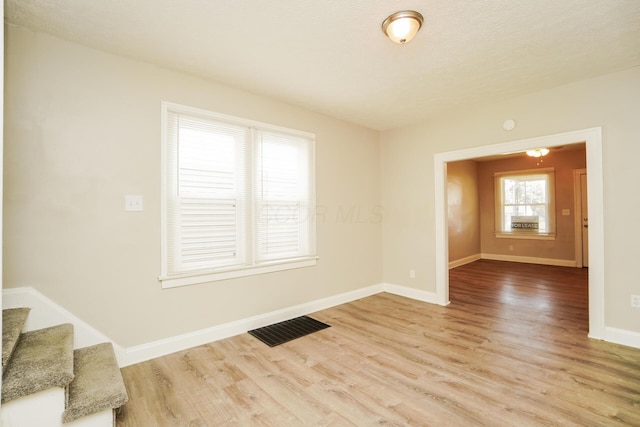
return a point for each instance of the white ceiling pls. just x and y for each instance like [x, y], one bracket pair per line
[331, 56]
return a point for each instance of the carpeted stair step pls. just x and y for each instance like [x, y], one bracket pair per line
[41, 360]
[98, 383]
[12, 323]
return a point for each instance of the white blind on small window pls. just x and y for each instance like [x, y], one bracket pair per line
[283, 195]
[206, 193]
[529, 193]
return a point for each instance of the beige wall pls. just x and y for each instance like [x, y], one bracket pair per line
[563, 247]
[463, 210]
[82, 129]
[407, 154]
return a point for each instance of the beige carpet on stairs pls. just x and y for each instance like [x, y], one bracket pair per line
[41, 360]
[12, 322]
[98, 384]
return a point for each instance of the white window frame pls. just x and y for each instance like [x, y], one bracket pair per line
[550, 232]
[248, 262]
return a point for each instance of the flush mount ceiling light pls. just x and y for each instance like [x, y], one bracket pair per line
[538, 152]
[402, 26]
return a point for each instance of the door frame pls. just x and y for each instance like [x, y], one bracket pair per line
[577, 210]
[593, 141]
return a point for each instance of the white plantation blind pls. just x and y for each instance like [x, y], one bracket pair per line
[236, 195]
[206, 193]
[529, 194]
[282, 196]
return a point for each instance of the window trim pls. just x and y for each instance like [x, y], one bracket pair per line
[499, 208]
[223, 273]
[186, 279]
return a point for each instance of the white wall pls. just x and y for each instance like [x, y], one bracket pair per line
[83, 129]
[611, 101]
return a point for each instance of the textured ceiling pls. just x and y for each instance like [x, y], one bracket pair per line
[331, 56]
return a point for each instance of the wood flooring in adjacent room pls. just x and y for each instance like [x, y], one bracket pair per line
[510, 350]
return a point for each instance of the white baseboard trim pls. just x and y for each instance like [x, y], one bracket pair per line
[416, 294]
[622, 336]
[170, 345]
[45, 313]
[530, 260]
[154, 349]
[466, 260]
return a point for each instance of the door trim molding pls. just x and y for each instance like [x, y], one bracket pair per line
[593, 141]
[577, 211]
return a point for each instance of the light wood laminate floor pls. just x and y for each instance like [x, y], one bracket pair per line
[510, 350]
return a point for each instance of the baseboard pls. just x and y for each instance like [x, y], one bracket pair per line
[530, 260]
[165, 346]
[416, 294]
[45, 313]
[463, 261]
[622, 336]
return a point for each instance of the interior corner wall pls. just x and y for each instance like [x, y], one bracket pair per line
[82, 130]
[611, 102]
[562, 248]
[463, 210]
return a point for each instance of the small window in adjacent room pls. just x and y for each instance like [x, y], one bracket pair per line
[525, 204]
[238, 197]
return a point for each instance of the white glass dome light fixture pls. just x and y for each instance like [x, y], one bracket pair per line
[402, 26]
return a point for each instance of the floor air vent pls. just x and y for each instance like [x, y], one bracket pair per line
[282, 332]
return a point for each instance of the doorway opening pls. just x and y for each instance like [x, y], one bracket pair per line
[593, 143]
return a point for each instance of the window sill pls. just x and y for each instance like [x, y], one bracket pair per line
[204, 277]
[526, 236]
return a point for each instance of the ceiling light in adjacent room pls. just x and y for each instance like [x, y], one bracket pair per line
[538, 152]
[402, 26]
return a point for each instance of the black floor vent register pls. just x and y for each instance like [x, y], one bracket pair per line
[282, 332]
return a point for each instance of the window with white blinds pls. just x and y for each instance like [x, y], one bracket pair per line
[238, 197]
[525, 203]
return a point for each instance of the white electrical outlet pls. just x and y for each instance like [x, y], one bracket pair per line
[635, 301]
[412, 274]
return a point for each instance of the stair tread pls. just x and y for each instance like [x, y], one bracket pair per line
[41, 360]
[98, 383]
[12, 322]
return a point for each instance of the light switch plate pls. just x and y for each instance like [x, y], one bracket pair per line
[566, 212]
[133, 203]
